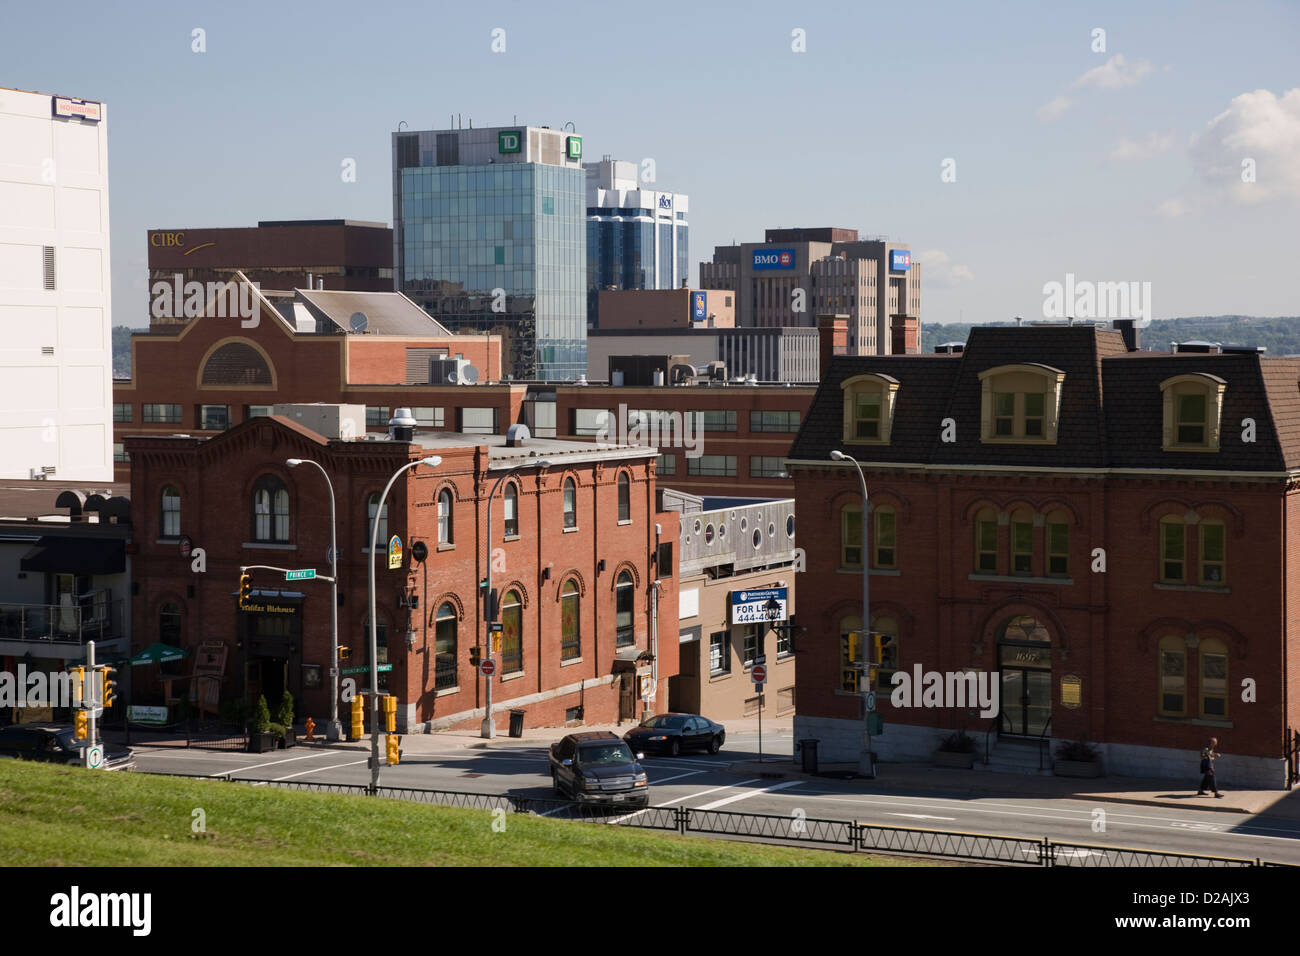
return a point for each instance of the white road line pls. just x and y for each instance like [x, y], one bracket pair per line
[259, 766]
[303, 773]
[752, 793]
[669, 803]
[920, 816]
[691, 773]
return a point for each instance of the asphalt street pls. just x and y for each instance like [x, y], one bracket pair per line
[704, 782]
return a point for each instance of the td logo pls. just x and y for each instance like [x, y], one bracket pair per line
[508, 142]
[575, 147]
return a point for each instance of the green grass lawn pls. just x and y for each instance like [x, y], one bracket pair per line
[67, 816]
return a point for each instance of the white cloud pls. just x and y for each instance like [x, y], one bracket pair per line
[1258, 132]
[1126, 150]
[1054, 109]
[940, 271]
[1115, 74]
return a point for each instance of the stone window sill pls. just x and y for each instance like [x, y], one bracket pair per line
[446, 691]
[571, 661]
[719, 675]
[511, 537]
[1196, 721]
[515, 676]
[446, 546]
[1018, 579]
[1209, 588]
[875, 572]
[268, 546]
[568, 530]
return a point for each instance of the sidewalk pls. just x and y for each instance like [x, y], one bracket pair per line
[914, 779]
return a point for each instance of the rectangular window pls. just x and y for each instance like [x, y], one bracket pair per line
[427, 416]
[478, 421]
[588, 422]
[851, 538]
[1212, 551]
[1190, 424]
[866, 415]
[1004, 414]
[376, 416]
[765, 466]
[666, 464]
[986, 536]
[720, 652]
[783, 640]
[750, 644]
[717, 420]
[884, 539]
[168, 414]
[1034, 414]
[1173, 552]
[1022, 547]
[122, 412]
[717, 465]
[1173, 683]
[1058, 549]
[214, 418]
[774, 421]
[257, 411]
[1214, 685]
[119, 452]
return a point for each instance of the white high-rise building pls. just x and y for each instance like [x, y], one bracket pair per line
[56, 349]
[637, 236]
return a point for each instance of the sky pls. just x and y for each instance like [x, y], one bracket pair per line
[1009, 144]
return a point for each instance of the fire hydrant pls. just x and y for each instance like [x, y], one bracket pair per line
[311, 725]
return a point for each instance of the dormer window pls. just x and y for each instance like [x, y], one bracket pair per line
[869, 408]
[1020, 403]
[1191, 412]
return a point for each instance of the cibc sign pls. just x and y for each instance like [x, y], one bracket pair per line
[166, 240]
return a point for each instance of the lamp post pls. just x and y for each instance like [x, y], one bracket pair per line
[433, 461]
[865, 765]
[487, 728]
[333, 730]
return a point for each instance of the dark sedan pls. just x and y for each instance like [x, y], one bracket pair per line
[53, 743]
[673, 733]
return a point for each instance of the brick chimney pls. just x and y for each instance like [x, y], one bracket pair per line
[904, 335]
[833, 339]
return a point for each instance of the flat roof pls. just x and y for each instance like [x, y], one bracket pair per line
[556, 450]
[22, 498]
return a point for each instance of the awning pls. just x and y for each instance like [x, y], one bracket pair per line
[69, 555]
[630, 658]
[158, 653]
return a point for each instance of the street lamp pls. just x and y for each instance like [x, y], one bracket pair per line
[865, 765]
[433, 461]
[333, 730]
[487, 728]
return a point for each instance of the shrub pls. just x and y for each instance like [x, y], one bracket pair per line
[1079, 750]
[261, 721]
[284, 713]
[958, 742]
[277, 729]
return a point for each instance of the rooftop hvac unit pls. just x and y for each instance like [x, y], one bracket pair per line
[452, 371]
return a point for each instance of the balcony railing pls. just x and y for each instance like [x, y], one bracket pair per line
[96, 618]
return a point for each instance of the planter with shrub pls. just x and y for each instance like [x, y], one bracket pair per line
[260, 738]
[284, 721]
[1077, 758]
[956, 750]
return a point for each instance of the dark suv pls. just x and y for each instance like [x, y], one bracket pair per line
[56, 743]
[597, 767]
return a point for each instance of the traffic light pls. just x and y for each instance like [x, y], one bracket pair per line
[78, 685]
[491, 604]
[392, 743]
[358, 716]
[245, 588]
[345, 652]
[107, 686]
[877, 647]
[81, 725]
[475, 655]
[390, 714]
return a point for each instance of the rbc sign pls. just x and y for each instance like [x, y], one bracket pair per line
[764, 259]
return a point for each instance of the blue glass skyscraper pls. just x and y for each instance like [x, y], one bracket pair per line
[489, 233]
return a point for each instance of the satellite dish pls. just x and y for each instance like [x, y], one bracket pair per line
[470, 374]
[358, 322]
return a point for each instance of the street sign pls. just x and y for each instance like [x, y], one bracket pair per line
[383, 669]
[871, 701]
[95, 757]
[759, 674]
[488, 667]
[495, 627]
[305, 574]
[760, 659]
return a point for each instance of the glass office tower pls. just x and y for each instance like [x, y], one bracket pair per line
[490, 235]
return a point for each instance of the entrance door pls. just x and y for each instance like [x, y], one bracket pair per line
[1026, 701]
[627, 696]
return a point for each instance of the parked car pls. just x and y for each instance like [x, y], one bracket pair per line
[673, 733]
[597, 767]
[55, 743]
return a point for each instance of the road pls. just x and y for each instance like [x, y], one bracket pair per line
[704, 782]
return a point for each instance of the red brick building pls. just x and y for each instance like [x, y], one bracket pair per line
[1111, 536]
[575, 562]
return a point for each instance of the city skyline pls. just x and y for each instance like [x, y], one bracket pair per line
[1009, 153]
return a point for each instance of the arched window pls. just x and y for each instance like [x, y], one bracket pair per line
[624, 497]
[270, 510]
[1022, 542]
[1173, 550]
[570, 503]
[236, 363]
[883, 541]
[1212, 552]
[512, 510]
[1019, 403]
[1172, 655]
[570, 621]
[1213, 655]
[1058, 544]
[445, 647]
[372, 505]
[986, 542]
[850, 651]
[869, 408]
[171, 512]
[623, 603]
[1192, 405]
[445, 528]
[512, 636]
[851, 536]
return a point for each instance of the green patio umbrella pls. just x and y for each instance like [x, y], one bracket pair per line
[159, 653]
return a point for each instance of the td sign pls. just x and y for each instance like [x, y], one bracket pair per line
[508, 141]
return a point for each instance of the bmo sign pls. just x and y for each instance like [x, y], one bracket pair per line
[765, 259]
[900, 260]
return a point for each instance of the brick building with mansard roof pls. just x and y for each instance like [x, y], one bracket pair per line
[1066, 445]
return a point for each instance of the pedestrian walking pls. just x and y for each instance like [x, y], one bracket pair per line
[1208, 756]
